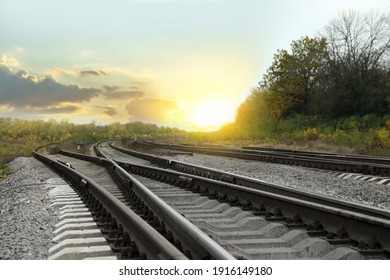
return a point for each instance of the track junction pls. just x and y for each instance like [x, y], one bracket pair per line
[150, 207]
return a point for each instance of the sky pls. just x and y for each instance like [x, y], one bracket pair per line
[179, 63]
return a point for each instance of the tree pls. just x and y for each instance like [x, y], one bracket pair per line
[294, 78]
[252, 110]
[359, 52]
[360, 42]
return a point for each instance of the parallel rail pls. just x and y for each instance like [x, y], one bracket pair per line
[355, 164]
[201, 245]
[196, 243]
[361, 222]
[347, 157]
[252, 183]
[146, 237]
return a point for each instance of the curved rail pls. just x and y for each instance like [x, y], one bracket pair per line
[146, 237]
[340, 163]
[361, 221]
[348, 157]
[253, 183]
[199, 242]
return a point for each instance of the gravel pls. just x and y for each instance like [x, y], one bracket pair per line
[311, 180]
[26, 218]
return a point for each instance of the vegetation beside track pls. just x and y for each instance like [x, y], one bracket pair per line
[332, 90]
[368, 135]
[19, 137]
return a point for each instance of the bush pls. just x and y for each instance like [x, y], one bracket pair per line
[53, 149]
[382, 137]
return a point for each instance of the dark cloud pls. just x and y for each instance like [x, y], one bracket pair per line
[124, 94]
[150, 109]
[22, 89]
[110, 88]
[92, 73]
[114, 92]
[66, 109]
[107, 110]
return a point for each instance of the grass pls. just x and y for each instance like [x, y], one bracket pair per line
[4, 172]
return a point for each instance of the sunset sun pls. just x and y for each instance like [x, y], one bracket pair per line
[212, 114]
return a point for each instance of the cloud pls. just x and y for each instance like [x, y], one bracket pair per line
[110, 88]
[124, 94]
[108, 110]
[58, 109]
[22, 90]
[7, 61]
[92, 73]
[56, 72]
[114, 92]
[6, 108]
[150, 109]
[24, 93]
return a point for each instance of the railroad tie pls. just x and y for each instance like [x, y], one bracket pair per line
[76, 234]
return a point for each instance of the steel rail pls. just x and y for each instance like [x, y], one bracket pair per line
[348, 157]
[199, 243]
[289, 152]
[253, 183]
[182, 228]
[146, 237]
[360, 225]
[360, 221]
[274, 157]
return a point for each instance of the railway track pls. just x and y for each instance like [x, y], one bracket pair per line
[226, 176]
[261, 222]
[265, 207]
[135, 223]
[347, 157]
[375, 166]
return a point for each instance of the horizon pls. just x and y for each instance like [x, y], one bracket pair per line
[185, 64]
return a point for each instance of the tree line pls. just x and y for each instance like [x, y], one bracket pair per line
[19, 137]
[336, 82]
[344, 72]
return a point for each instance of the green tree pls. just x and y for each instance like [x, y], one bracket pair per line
[294, 77]
[253, 117]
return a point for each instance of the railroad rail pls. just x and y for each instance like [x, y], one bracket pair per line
[344, 163]
[348, 157]
[338, 222]
[249, 182]
[172, 228]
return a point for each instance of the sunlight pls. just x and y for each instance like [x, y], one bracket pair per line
[212, 113]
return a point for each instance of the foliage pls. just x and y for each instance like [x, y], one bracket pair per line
[382, 137]
[53, 149]
[254, 116]
[358, 70]
[294, 78]
[334, 89]
[344, 72]
[367, 134]
[19, 137]
[5, 171]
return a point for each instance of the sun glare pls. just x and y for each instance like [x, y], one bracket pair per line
[212, 114]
